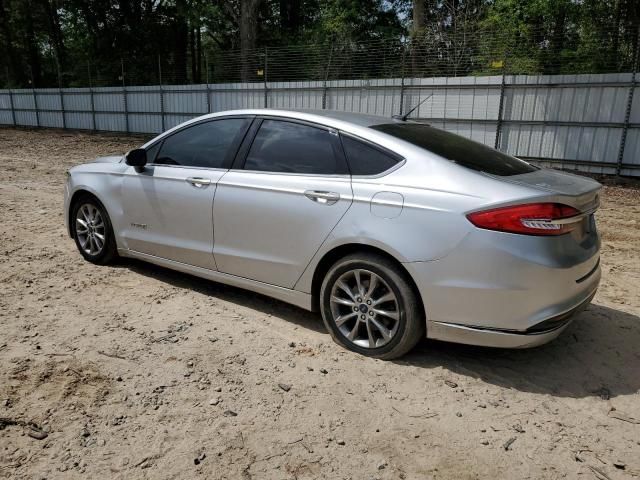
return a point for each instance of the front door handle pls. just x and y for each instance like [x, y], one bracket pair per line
[199, 182]
[320, 196]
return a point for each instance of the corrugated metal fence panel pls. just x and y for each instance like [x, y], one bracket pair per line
[6, 118]
[77, 106]
[25, 99]
[531, 102]
[143, 104]
[563, 117]
[632, 147]
[295, 95]
[181, 103]
[234, 96]
[467, 106]
[49, 101]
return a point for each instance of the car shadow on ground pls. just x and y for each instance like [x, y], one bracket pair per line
[239, 296]
[597, 355]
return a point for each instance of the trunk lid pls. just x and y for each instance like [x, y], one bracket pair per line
[575, 190]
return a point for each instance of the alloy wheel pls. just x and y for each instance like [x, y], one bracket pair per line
[90, 229]
[364, 308]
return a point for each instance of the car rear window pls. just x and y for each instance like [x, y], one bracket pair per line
[457, 149]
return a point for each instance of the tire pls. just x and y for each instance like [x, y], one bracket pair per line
[386, 335]
[93, 249]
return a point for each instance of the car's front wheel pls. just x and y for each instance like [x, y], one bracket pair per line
[369, 306]
[92, 230]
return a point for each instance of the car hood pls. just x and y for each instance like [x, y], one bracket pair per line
[109, 159]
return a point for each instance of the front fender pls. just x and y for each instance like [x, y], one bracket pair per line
[105, 184]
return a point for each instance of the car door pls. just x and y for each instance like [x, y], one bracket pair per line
[168, 205]
[273, 212]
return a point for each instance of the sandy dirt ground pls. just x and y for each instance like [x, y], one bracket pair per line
[133, 371]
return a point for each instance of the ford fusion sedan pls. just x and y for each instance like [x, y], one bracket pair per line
[393, 230]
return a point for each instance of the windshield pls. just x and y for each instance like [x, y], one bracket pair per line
[457, 149]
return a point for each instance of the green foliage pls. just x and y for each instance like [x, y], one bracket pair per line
[136, 42]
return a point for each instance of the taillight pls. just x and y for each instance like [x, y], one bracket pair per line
[528, 219]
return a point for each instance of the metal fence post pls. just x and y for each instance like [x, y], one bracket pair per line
[161, 92]
[501, 103]
[124, 96]
[35, 100]
[206, 66]
[325, 86]
[61, 95]
[64, 121]
[35, 106]
[404, 54]
[93, 108]
[627, 113]
[264, 77]
[13, 112]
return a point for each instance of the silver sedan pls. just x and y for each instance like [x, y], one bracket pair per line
[393, 230]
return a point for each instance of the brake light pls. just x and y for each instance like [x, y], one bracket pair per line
[528, 219]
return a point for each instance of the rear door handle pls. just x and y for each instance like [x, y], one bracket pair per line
[199, 182]
[320, 196]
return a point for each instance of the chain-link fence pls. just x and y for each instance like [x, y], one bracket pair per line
[576, 108]
[430, 54]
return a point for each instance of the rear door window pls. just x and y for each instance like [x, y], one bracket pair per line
[457, 149]
[365, 159]
[204, 145]
[289, 147]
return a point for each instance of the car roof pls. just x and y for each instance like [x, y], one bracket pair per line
[326, 117]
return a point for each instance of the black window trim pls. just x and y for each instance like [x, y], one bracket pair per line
[233, 150]
[338, 150]
[400, 159]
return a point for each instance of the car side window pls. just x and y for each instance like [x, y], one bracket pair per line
[152, 152]
[205, 145]
[288, 147]
[365, 159]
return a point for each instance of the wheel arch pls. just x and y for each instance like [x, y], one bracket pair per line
[74, 198]
[341, 251]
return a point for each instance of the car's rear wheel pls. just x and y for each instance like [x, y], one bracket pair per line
[369, 306]
[92, 230]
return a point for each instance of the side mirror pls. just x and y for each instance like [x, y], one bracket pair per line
[137, 158]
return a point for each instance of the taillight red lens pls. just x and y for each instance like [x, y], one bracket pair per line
[529, 219]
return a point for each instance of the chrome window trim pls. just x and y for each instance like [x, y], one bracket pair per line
[216, 169]
[293, 174]
[388, 171]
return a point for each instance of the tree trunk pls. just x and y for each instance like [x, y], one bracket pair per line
[192, 50]
[419, 17]
[417, 34]
[291, 17]
[180, 45]
[16, 77]
[248, 35]
[557, 41]
[55, 37]
[32, 47]
[199, 54]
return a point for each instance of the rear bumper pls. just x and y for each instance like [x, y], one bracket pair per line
[456, 333]
[507, 290]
